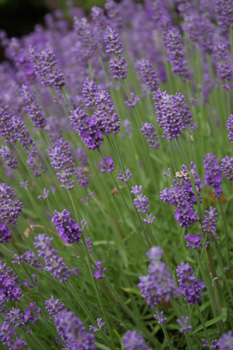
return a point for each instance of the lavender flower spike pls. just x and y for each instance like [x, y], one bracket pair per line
[188, 284]
[133, 341]
[226, 341]
[227, 167]
[213, 174]
[148, 130]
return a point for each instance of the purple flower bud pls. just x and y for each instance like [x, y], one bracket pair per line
[159, 316]
[133, 101]
[125, 177]
[99, 273]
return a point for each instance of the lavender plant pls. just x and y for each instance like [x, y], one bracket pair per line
[93, 111]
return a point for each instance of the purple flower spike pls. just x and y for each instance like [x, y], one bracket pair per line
[147, 74]
[229, 127]
[159, 316]
[193, 241]
[73, 332]
[210, 222]
[8, 157]
[111, 39]
[227, 167]
[69, 230]
[226, 341]
[9, 285]
[54, 306]
[107, 165]
[174, 114]
[133, 341]
[224, 11]
[213, 173]
[133, 101]
[148, 130]
[100, 272]
[188, 284]
[184, 324]
[158, 284]
[5, 233]
[175, 53]
[125, 177]
[141, 202]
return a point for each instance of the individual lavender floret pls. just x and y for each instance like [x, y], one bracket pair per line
[124, 177]
[107, 165]
[224, 11]
[188, 284]
[46, 193]
[133, 101]
[227, 167]
[193, 241]
[9, 285]
[158, 284]
[184, 324]
[32, 107]
[53, 262]
[111, 39]
[159, 316]
[213, 344]
[226, 341]
[62, 160]
[148, 130]
[147, 74]
[10, 208]
[54, 306]
[175, 53]
[213, 173]
[100, 325]
[133, 341]
[5, 233]
[67, 228]
[99, 273]
[149, 219]
[8, 157]
[229, 127]
[210, 222]
[44, 63]
[174, 114]
[73, 332]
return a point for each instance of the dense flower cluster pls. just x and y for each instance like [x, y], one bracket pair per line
[147, 74]
[158, 284]
[227, 167]
[181, 196]
[132, 340]
[69, 230]
[73, 332]
[213, 173]
[61, 159]
[53, 262]
[8, 157]
[10, 208]
[189, 286]
[9, 285]
[174, 114]
[5, 233]
[151, 136]
[210, 222]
